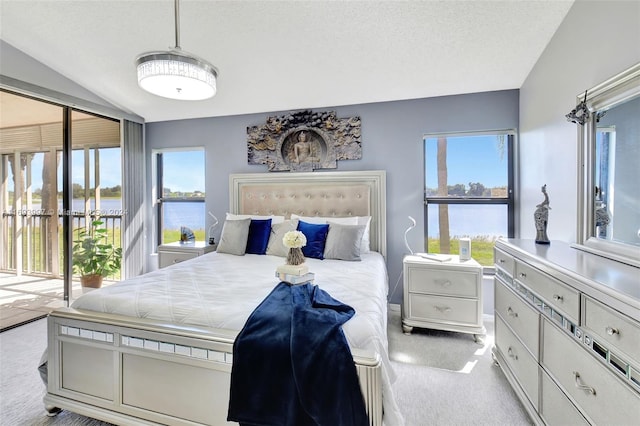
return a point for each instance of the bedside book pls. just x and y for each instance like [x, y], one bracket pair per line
[295, 279]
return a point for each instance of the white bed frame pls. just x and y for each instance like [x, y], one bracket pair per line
[132, 371]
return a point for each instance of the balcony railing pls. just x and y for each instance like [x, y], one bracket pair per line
[41, 246]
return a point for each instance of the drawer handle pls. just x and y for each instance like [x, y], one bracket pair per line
[443, 283]
[611, 331]
[557, 298]
[501, 260]
[579, 385]
[511, 312]
[511, 353]
[177, 260]
[442, 309]
[523, 275]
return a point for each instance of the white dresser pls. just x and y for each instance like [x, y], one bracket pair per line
[567, 329]
[177, 252]
[443, 295]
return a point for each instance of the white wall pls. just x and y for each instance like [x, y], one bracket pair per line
[597, 40]
[16, 64]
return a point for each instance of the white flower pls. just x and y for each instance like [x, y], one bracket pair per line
[294, 239]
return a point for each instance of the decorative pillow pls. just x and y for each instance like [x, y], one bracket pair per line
[344, 241]
[274, 219]
[259, 230]
[275, 246]
[316, 238]
[235, 234]
[348, 220]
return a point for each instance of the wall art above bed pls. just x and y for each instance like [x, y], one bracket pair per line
[304, 141]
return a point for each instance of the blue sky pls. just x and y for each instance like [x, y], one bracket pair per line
[184, 170]
[469, 159]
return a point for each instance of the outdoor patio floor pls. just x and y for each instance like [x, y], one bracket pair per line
[27, 298]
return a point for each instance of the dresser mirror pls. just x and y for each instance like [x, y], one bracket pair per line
[609, 182]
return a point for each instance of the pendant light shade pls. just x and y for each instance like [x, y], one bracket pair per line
[176, 74]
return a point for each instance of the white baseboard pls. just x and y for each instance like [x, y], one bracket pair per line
[394, 307]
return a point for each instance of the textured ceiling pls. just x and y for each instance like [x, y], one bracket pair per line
[288, 55]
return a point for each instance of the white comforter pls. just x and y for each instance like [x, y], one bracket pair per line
[221, 290]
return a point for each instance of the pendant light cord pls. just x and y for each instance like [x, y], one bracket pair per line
[177, 16]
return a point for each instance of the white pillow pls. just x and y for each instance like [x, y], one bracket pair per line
[348, 220]
[366, 237]
[276, 246]
[274, 219]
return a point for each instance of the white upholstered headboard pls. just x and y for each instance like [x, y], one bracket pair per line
[338, 194]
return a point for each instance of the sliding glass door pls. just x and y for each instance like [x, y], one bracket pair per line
[60, 170]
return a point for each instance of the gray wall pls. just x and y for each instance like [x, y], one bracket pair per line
[391, 140]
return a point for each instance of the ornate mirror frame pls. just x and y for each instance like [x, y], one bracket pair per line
[598, 100]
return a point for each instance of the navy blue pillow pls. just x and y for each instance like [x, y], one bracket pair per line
[259, 231]
[316, 238]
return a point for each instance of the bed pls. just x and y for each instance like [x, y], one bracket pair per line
[158, 348]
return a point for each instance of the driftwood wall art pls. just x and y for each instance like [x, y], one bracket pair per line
[304, 141]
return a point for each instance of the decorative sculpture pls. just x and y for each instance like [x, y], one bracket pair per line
[304, 141]
[541, 217]
[186, 235]
[580, 114]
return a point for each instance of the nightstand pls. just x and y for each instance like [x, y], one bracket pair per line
[177, 252]
[443, 295]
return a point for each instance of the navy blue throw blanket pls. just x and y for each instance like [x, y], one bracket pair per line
[292, 365]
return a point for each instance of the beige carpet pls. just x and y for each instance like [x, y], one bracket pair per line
[442, 379]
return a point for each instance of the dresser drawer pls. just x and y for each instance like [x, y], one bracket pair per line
[518, 359]
[555, 407]
[558, 295]
[612, 327]
[504, 261]
[443, 309]
[443, 282]
[522, 318]
[604, 398]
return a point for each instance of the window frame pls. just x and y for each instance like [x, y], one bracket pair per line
[159, 198]
[509, 201]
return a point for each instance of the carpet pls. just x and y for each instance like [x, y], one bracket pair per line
[442, 379]
[447, 379]
[433, 348]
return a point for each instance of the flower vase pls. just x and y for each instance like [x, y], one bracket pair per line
[295, 256]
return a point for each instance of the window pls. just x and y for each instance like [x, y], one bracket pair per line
[468, 192]
[180, 176]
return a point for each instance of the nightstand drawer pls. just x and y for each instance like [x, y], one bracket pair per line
[444, 309]
[172, 253]
[167, 258]
[522, 318]
[561, 297]
[604, 398]
[612, 327]
[443, 282]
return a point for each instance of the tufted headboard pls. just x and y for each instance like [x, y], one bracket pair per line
[338, 194]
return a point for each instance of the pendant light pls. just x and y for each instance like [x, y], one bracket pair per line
[176, 74]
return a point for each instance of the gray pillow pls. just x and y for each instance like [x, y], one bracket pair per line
[234, 236]
[344, 241]
[275, 246]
